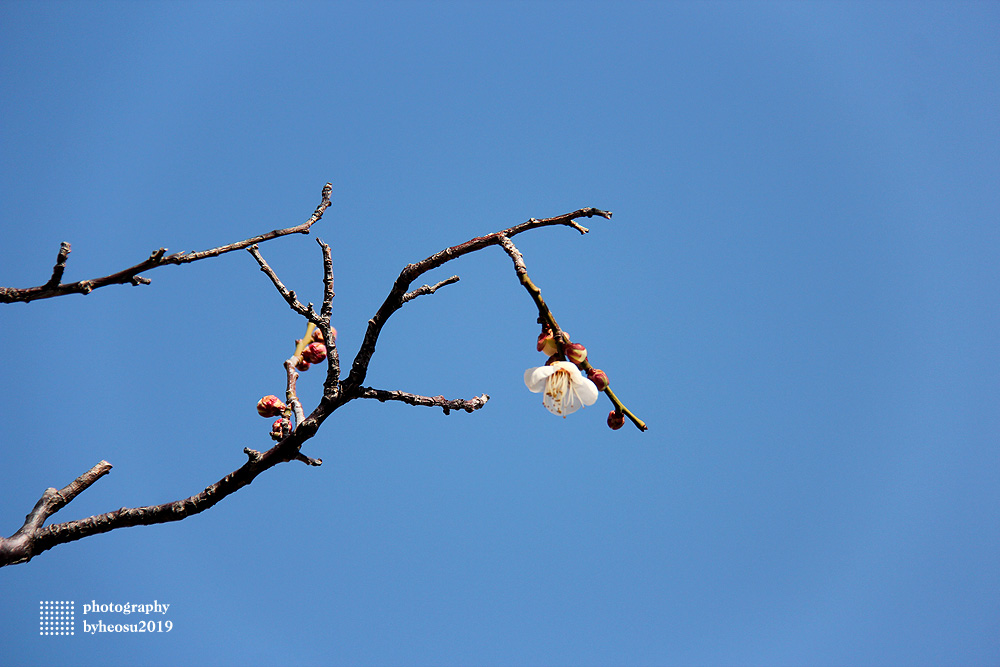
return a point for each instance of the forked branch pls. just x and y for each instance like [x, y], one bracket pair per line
[34, 538]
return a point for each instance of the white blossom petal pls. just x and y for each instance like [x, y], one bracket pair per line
[566, 389]
[535, 378]
[586, 390]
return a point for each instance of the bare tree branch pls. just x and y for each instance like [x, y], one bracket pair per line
[293, 301]
[157, 258]
[57, 270]
[308, 460]
[33, 538]
[332, 383]
[544, 314]
[328, 294]
[395, 299]
[23, 546]
[382, 395]
[429, 289]
[19, 547]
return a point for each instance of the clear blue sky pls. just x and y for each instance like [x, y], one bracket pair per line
[798, 292]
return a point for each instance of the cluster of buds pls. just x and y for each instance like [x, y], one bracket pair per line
[574, 354]
[549, 346]
[315, 352]
[309, 352]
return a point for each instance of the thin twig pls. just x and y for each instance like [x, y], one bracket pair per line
[293, 301]
[54, 288]
[544, 313]
[57, 270]
[308, 460]
[291, 376]
[382, 395]
[328, 294]
[429, 289]
[332, 383]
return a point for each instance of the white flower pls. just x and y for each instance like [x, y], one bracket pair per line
[566, 389]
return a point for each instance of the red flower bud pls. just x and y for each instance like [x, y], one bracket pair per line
[598, 377]
[546, 343]
[616, 420]
[315, 353]
[576, 353]
[278, 429]
[303, 365]
[318, 335]
[270, 406]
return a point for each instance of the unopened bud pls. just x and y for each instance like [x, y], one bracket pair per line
[270, 406]
[598, 377]
[278, 429]
[314, 353]
[546, 343]
[318, 335]
[616, 420]
[303, 365]
[576, 353]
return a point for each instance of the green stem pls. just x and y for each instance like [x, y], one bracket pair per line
[549, 320]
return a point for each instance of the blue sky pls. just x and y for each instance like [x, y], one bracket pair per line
[798, 292]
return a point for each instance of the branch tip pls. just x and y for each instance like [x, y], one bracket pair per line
[308, 460]
[60, 266]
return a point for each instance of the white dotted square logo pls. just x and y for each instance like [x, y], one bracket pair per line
[56, 617]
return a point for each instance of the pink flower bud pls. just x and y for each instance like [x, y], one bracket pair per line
[576, 353]
[278, 429]
[616, 420]
[598, 377]
[303, 365]
[270, 406]
[315, 353]
[318, 335]
[547, 343]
